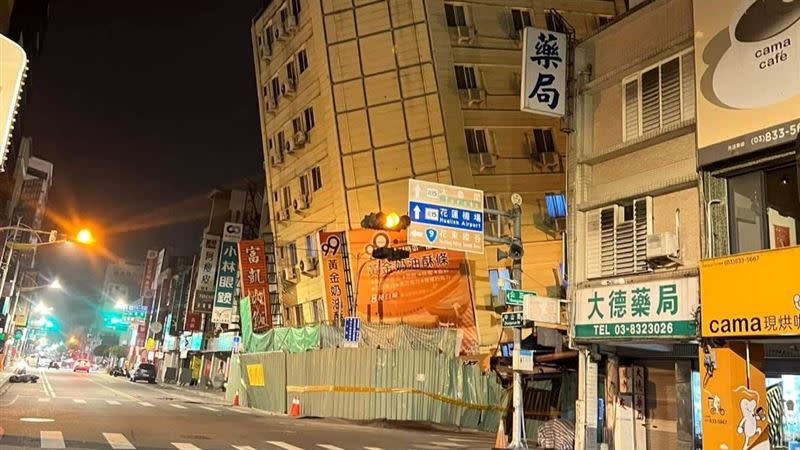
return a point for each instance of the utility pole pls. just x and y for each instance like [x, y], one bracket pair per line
[515, 252]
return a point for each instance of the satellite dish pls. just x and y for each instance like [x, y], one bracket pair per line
[156, 327]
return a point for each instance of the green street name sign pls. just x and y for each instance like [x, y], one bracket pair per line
[512, 319]
[517, 296]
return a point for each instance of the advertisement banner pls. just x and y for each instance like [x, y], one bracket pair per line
[148, 278]
[429, 289]
[747, 76]
[664, 308]
[193, 322]
[338, 292]
[228, 269]
[544, 72]
[203, 296]
[751, 294]
[253, 264]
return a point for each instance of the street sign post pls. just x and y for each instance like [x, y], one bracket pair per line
[516, 297]
[512, 319]
[445, 216]
[352, 331]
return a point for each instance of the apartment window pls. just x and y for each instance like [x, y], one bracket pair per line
[476, 141]
[602, 21]
[616, 238]
[556, 205]
[275, 197]
[554, 22]
[281, 141]
[465, 77]
[521, 18]
[543, 141]
[316, 178]
[318, 310]
[764, 209]
[302, 60]
[304, 185]
[297, 124]
[659, 96]
[311, 245]
[287, 197]
[275, 85]
[455, 15]
[291, 75]
[296, 7]
[308, 115]
[268, 33]
[269, 144]
[491, 221]
[284, 15]
[292, 254]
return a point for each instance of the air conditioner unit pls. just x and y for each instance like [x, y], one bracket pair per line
[288, 88]
[308, 265]
[291, 23]
[276, 159]
[288, 148]
[266, 53]
[270, 105]
[301, 203]
[662, 246]
[299, 138]
[465, 33]
[283, 214]
[279, 33]
[289, 274]
[485, 161]
[475, 96]
[548, 159]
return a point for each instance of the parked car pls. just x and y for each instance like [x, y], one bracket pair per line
[144, 371]
[82, 366]
[119, 372]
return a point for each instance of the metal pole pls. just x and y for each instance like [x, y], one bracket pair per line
[518, 425]
[6, 266]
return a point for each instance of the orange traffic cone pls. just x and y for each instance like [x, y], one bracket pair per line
[294, 411]
[235, 399]
[501, 441]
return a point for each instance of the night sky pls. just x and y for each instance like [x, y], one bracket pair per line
[143, 108]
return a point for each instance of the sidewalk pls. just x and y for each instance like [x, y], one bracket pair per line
[4, 376]
[196, 391]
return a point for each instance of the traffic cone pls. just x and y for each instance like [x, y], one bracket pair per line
[294, 411]
[501, 441]
[235, 399]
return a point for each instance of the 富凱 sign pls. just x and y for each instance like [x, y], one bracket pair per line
[253, 264]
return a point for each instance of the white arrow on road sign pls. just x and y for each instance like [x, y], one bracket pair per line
[416, 209]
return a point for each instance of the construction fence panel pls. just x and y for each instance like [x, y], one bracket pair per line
[264, 375]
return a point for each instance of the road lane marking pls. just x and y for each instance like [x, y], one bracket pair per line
[372, 448]
[242, 447]
[329, 447]
[52, 439]
[185, 446]
[240, 411]
[284, 445]
[113, 402]
[44, 399]
[79, 400]
[48, 387]
[177, 406]
[208, 408]
[118, 441]
[149, 405]
[448, 444]
[36, 419]
[14, 400]
[120, 393]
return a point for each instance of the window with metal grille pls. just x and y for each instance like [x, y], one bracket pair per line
[275, 87]
[311, 245]
[308, 114]
[290, 71]
[659, 96]
[455, 15]
[287, 197]
[554, 22]
[302, 60]
[281, 141]
[316, 178]
[292, 254]
[476, 141]
[616, 238]
[304, 184]
[465, 77]
[297, 124]
[543, 140]
[521, 18]
[296, 7]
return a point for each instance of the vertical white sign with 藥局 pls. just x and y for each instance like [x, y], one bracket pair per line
[226, 276]
[544, 72]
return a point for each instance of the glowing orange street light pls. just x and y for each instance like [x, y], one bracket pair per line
[84, 236]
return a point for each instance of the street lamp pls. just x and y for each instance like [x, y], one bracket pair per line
[54, 285]
[84, 236]
[121, 304]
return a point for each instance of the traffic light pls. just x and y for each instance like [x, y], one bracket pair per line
[382, 221]
[390, 254]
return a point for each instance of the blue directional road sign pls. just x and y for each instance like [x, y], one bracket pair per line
[352, 331]
[445, 216]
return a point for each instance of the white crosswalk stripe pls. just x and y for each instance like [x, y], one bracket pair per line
[113, 402]
[149, 405]
[185, 446]
[284, 445]
[174, 405]
[329, 447]
[118, 441]
[208, 408]
[52, 439]
[448, 444]
[427, 447]
[242, 447]
[372, 448]
[79, 400]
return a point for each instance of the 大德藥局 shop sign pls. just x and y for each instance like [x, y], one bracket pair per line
[747, 76]
[663, 308]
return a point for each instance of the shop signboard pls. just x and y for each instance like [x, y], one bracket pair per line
[352, 331]
[445, 216]
[253, 264]
[203, 296]
[336, 273]
[544, 72]
[747, 76]
[512, 319]
[225, 288]
[751, 294]
[653, 309]
[148, 276]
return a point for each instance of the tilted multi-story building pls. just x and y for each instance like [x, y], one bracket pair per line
[358, 97]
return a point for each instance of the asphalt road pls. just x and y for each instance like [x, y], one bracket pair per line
[96, 411]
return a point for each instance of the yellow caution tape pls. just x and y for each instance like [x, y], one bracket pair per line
[392, 390]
